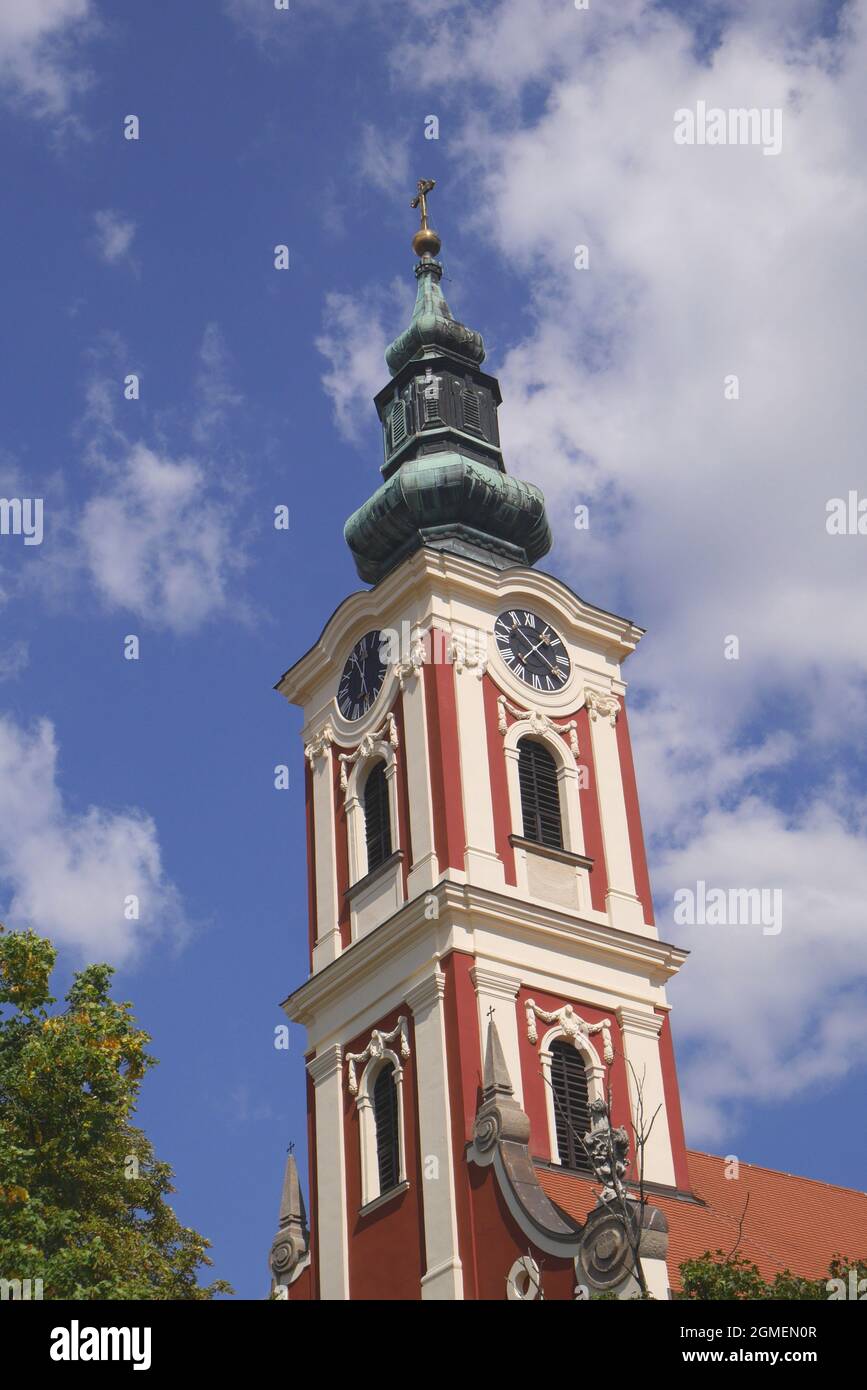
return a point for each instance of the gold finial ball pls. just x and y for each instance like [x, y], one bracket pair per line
[426, 242]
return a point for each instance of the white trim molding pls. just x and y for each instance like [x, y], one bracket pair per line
[376, 1048]
[411, 665]
[367, 746]
[319, 744]
[376, 1056]
[464, 656]
[605, 704]
[537, 722]
[572, 1026]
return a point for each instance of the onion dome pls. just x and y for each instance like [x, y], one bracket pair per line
[445, 481]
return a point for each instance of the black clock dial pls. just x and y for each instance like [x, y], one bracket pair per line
[532, 649]
[362, 677]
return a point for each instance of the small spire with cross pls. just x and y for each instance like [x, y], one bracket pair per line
[426, 242]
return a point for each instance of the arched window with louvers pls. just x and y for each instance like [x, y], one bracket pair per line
[377, 817]
[570, 1093]
[386, 1117]
[540, 794]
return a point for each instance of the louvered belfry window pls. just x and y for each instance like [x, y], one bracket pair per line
[472, 411]
[398, 424]
[571, 1105]
[387, 1139]
[377, 818]
[540, 794]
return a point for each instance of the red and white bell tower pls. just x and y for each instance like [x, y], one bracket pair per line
[485, 973]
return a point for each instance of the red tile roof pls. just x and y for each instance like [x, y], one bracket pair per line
[791, 1223]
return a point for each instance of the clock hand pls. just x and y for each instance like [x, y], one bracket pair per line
[534, 650]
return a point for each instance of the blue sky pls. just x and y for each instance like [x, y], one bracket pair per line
[156, 257]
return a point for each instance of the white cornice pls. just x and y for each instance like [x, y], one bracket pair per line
[494, 982]
[427, 992]
[464, 905]
[453, 577]
[638, 1021]
[326, 1063]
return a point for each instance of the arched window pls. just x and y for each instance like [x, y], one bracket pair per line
[385, 1114]
[377, 818]
[540, 794]
[571, 1105]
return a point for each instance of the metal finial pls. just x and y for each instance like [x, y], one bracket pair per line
[426, 241]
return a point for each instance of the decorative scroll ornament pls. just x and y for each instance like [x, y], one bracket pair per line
[367, 746]
[524, 1281]
[319, 744]
[467, 657]
[606, 705]
[608, 1151]
[413, 663]
[571, 1025]
[539, 722]
[375, 1048]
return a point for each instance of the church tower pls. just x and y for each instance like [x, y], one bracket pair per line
[486, 1008]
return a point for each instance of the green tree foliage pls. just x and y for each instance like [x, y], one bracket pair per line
[82, 1196]
[732, 1277]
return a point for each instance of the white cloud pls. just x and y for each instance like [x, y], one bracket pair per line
[770, 1016]
[67, 874]
[707, 515]
[383, 162]
[37, 57]
[14, 659]
[114, 235]
[217, 396]
[353, 340]
[158, 544]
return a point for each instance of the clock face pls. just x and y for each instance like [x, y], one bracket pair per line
[532, 650]
[362, 677]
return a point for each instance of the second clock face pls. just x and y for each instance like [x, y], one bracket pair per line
[532, 649]
[362, 677]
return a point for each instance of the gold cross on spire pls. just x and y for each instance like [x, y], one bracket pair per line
[425, 186]
[425, 242]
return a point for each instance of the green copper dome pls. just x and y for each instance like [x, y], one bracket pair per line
[432, 325]
[445, 485]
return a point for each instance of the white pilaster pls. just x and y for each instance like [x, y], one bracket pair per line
[424, 870]
[640, 1034]
[326, 1069]
[499, 992]
[327, 946]
[481, 861]
[443, 1278]
[622, 903]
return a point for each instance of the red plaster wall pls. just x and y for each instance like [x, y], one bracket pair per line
[500, 1241]
[386, 1249]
